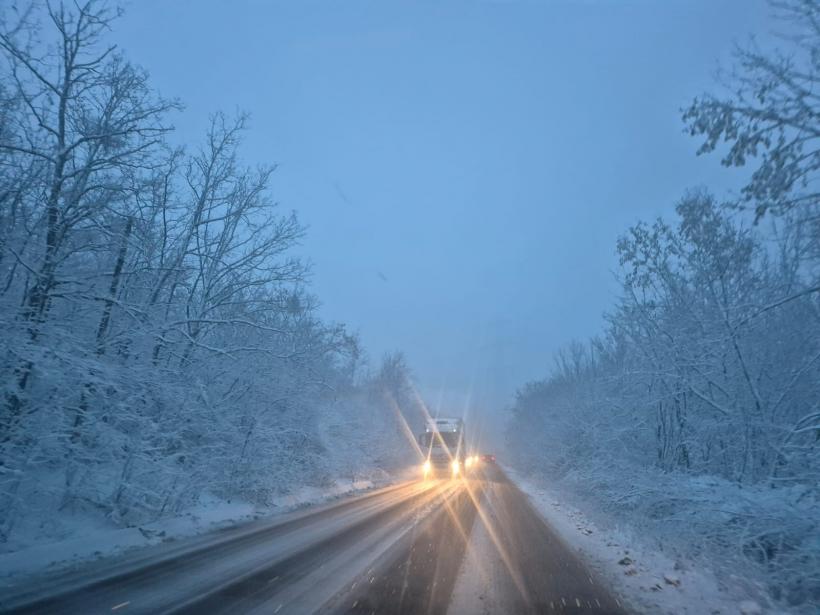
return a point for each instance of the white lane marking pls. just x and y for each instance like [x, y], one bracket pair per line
[119, 606]
[598, 603]
[278, 608]
[578, 603]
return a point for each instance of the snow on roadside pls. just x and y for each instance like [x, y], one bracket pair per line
[648, 580]
[87, 538]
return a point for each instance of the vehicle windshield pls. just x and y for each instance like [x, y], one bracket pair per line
[317, 261]
[448, 438]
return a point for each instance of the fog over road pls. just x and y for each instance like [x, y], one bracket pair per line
[473, 545]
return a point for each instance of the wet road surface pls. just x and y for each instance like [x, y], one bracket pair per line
[473, 545]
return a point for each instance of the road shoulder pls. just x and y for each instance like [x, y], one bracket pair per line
[649, 581]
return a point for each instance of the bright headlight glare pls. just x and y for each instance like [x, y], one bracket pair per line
[455, 467]
[426, 467]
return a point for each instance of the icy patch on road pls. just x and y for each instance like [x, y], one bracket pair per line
[82, 538]
[649, 581]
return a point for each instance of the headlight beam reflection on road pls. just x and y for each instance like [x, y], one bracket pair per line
[427, 468]
[502, 552]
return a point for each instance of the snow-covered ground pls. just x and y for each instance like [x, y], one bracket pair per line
[46, 539]
[648, 580]
[85, 538]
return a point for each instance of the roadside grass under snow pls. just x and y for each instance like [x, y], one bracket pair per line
[46, 538]
[85, 537]
[648, 579]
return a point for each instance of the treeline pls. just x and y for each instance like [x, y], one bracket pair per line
[158, 340]
[695, 416]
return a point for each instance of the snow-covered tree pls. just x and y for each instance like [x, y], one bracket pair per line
[159, 338]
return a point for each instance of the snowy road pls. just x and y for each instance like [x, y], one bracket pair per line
[466, 546]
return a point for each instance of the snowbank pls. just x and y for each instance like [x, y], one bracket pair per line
[651, 581]
[86, 537]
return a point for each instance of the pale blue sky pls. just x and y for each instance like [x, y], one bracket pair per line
[464, 167]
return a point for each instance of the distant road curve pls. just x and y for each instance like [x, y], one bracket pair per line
[471, 546]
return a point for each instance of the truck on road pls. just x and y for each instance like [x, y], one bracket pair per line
[444, 446]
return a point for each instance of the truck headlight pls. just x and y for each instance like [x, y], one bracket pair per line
[426, 467]
[456, 467]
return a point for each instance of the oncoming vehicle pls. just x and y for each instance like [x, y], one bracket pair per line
[489, 458]
[445, 448]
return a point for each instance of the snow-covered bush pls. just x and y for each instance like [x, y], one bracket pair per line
[694, 418]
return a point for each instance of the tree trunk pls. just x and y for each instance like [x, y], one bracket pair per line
[115, 283]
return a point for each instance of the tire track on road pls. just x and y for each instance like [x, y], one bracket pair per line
[418, 574]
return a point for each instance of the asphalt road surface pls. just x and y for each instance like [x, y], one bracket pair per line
[472, 546]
